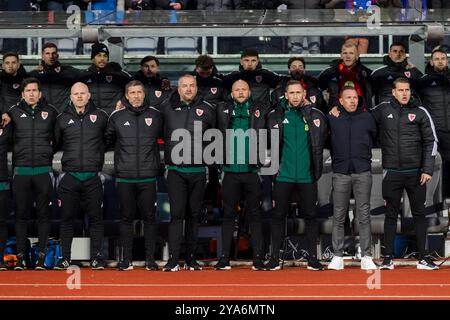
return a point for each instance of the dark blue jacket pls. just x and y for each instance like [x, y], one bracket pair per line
[352, 135]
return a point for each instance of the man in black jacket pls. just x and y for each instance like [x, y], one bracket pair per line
[133, 131]
[434, 90]
[347, 71]
[409, 147]
[352, 135]
[250, 70]
[5, 190]
[33, 122]
[11, 77]
[302, 134]
[245, 115]
[395, 66]
[106, 80]
[56, 79]
[186, 116]
[296, 70]
[157, 87]
[79, 133]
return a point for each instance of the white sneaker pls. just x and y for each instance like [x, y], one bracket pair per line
[337, 263]
[368, 264]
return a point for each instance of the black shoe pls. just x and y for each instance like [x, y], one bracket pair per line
[223, 264]
[40, 264]
[151, 265]
[427, 264]
[273, 264]
[3, 266]
[192, 264]
[20, 264]
[258, 264]
[172, 265]
[98, 263]
[314, 264]
[62, 264]
[388, 263]
[125, 265]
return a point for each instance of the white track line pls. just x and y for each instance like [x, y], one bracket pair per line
[222, 297]
[225, 285]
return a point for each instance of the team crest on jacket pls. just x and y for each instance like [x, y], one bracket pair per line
[199, 112]
[407, 74]
[93, 118]
[257, 113]
[16, 86]
[148, 121]
[44, 114]
[411, 116]
[58, 69]
[109, 78]
[1, 132]
[213, 90]
[158, 93]
[317, 122]
[312, 99]
[258, 79]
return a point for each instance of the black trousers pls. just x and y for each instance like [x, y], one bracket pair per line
[135, 197]
[4, 198]
[393, 185]
[186, 192]
[308, 201]
[234, 184]
[71, 193]
[26, 189]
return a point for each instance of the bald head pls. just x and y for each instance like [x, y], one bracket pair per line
[80, 95]
[240, 91]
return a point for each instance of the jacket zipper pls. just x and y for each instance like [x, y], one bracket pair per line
[137, 147]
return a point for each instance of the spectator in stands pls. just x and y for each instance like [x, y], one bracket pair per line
[395, 66]
[11, 77]
[210, 86]
[256, 4]
[241, 177]
[296, 43]
[302, 134]
[139, 5]
[33, 122]
[171, 4]
[250, 69]
[56, 79]
[186, 177]
[352, 135]
[215, 5]
[157, 87]
[345, 72]
[408, 146]
[79, 134]
[133, 132]
[5, 192]
[434, 90]
[60, 5]
[296, 70]
[106, 80]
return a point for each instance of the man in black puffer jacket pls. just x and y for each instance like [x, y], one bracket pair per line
[395, 66]
[11, 77]
[302, 133]
[186, 114]
[33, 122]
[106, 80]
[243, 114]
[79, 133]
[434, 90]
[157, 87]
[409, 147]
[56, 79]
[133, 131]
[250, 70]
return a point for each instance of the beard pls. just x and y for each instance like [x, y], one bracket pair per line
[297, 75]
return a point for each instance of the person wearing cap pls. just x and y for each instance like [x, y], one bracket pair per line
[157, 87]
[106, 80]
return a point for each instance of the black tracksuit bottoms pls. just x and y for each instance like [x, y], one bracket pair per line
[26, 190]
[135, 197]
[393, 185]
[4, 198]
[89, 194]
[186, 192]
